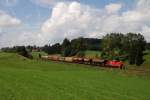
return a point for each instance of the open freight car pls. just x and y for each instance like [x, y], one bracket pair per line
[89, 61]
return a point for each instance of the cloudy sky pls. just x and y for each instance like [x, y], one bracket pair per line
[39, 22]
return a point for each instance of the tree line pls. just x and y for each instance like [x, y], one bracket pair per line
[118, 46]
[73, 47]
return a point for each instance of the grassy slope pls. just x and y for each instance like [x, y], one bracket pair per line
[147, 59]
[92, 54]
[23, 79]
[36, 54]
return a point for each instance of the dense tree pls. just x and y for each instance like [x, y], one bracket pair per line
[86, 43]
[139, 57]
[112, 41]
[114, 45]
[46, 48]
[78, 47]
[136, 46]
[71, 48]
[79, 44]
[66, 47]
[54, 49]
[22, 51]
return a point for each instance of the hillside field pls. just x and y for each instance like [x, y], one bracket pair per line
[24, 79]
[92, 54]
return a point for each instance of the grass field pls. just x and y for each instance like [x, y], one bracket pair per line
[36, 54]
[92, 54]
[24, 79]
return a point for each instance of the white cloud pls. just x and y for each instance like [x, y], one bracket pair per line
[21, 38]
[113, 7]
[72, 20]
[48, 3]
[146, 31]
[75, 19]
[7, 20]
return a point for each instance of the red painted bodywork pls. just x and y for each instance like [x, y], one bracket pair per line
[115, 64]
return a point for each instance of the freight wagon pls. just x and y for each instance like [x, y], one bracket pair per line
[89, 61]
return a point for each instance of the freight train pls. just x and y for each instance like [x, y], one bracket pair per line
[87, 61]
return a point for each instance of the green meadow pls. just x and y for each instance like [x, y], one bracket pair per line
[24, 79]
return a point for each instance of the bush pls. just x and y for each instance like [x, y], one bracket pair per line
[21, 50]
[66, 51]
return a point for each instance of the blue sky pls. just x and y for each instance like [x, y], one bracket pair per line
[32, 13]
[40, 22]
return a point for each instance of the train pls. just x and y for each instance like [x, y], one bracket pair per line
[87, 61]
